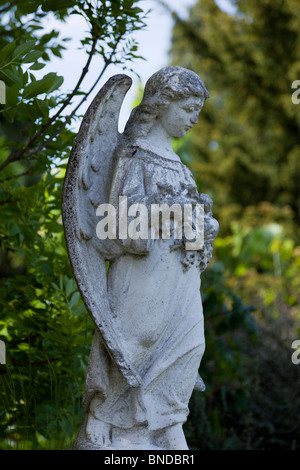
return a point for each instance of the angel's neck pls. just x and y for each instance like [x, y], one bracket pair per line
[159, 142]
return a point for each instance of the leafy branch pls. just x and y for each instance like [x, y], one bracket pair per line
[122, 22]
[72, 114]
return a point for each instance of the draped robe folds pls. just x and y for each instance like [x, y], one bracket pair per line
[157, 311]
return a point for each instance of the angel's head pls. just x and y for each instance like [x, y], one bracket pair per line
[173, 94]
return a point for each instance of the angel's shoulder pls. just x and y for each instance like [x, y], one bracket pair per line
[126, 151]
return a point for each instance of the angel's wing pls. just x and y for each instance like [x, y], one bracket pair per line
[87, 185]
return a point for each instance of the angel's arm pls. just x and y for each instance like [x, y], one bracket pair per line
[130, 196]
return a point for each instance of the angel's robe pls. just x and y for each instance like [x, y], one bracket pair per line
[157, 311]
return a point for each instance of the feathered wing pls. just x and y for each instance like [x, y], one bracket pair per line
[87, 185]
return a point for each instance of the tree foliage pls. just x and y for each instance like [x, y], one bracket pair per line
[248, 145]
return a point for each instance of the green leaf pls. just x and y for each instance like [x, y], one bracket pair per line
[12, 94]
[47, 84]
[74, 300]
[56, 52]
[42, 106]
[37, 66]
[23, 49]
[115, 6]
[9, 76]
[52, 101]
[9, 114]
[67, 425]
[128, 4]
[32, 56]
[136, 10]
[25, 78]
[80, 309]
[56, 84]
[23, 346]
[42, 441]
[46, 56]
[53, 5]
[13, 230]
[70, 286]
[30, 110]
[122, 26]
[7, 53]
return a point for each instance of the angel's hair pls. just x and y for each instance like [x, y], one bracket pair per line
[165, 86]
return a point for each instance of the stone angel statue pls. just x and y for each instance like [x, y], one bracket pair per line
[147, 310]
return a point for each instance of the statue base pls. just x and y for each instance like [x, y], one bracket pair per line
[103, 436]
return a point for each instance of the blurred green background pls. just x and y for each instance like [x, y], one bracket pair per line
[244, 152]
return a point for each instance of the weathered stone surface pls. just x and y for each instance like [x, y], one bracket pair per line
[149, 338]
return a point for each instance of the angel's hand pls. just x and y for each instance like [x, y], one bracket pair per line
[211, 229]
[206, 200]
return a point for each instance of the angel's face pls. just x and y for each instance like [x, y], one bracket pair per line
[181, 115]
